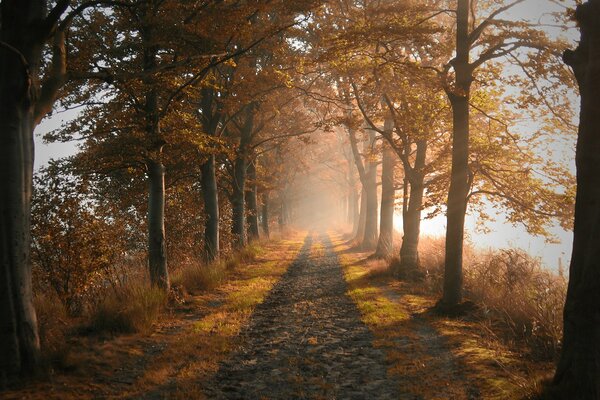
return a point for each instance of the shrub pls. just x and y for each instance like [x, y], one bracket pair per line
[53, 324]
[128, 309]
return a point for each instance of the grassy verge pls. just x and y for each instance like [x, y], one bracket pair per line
[170, 350]
[191, 359]
[433, 356]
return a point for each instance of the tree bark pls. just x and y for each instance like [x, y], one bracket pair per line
[411, 220]
[459, 180]
[578, 372]
[265, 214]
[210, 193]
[362, 217]
[157, 253]
[238, 228]
[388, 198]
[252, 200]
[24, 28]
[369, 241]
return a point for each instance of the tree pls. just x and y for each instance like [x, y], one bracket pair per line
[578, 371]
[489, 38]
[27, 96]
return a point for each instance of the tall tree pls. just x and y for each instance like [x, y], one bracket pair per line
[578, 372]
[27, 95]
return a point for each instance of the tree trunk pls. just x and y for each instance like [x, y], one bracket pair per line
[210, 193]
[252, 199]
[362, 217]
[265, 214]
[388, 198]
[409, 251]
[369, 241]
[157, 249]
[22, 35]
[157, 253]
[578, 372]
[411, 220]
[238, 228]
[19, 341]
[459, 180]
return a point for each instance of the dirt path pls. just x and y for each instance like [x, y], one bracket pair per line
[306, 340]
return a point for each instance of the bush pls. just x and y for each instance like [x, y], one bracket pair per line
[53, 324]
[128, 309]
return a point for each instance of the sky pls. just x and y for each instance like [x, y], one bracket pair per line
[501, 235]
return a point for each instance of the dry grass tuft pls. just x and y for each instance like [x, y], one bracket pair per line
[53, 323]
[128, 309]
[199, 277]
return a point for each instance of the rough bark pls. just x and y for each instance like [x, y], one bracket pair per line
[24, 28]
[459, 180]
[578, 372]
[252, 201]
[388, 198]
[210, 194]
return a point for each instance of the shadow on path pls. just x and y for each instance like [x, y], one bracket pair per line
[306, 340]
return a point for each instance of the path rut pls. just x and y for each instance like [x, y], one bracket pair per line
[306, 340]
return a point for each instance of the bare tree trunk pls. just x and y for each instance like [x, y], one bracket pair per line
[210, 193]
[388, 198]
[251, 196]
[369, 241]
[578, 372]
[459, 181]
[238, 228]
[411, 221]
[157, 252]
[362, 217]
[265, 214]
[24, 29]
[157, 249]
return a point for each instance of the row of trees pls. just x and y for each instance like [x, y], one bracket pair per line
[185, 103]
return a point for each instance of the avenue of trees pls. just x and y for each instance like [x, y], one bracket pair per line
[195, 120]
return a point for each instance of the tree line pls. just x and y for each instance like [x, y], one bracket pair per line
[182, 105]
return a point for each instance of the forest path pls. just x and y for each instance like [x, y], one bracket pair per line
[306, 340]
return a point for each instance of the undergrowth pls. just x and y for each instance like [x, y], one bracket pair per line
[522, 300]
[128, 309]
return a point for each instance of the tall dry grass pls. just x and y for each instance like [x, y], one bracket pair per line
[519, 296]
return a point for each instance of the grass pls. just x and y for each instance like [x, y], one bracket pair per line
[521, 301]
[458, 357]
[128, 309]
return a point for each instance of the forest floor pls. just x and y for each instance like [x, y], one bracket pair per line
[309, 318]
